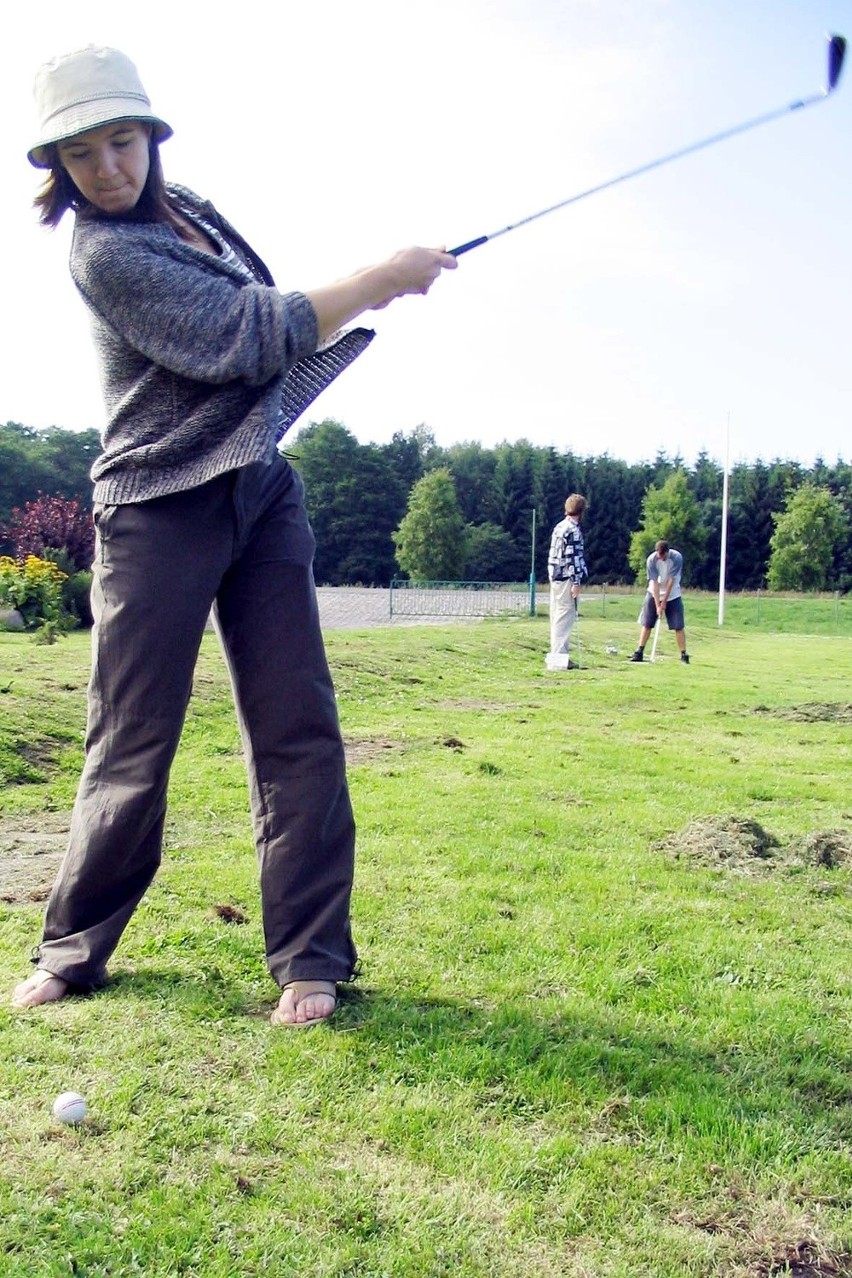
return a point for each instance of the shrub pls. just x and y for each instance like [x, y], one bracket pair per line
[76, 591]
[50, 527]
[34, 587]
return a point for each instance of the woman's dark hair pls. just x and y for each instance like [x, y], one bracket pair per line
[59, 194]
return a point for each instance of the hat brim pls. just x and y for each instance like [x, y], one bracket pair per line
[93, 115]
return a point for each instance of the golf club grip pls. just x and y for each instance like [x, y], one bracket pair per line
[465, 248]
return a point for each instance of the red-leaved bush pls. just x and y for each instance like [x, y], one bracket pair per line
[52, 523]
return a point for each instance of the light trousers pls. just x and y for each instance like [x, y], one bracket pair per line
[242, 545]
[563, 612]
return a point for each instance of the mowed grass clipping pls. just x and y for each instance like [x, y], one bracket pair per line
[603, 1024]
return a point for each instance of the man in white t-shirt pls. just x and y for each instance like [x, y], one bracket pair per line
[663, 598]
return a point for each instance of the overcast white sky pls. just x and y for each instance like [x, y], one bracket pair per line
[333, 132]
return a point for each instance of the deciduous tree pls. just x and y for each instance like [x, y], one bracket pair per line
[431, 541]
[806, 538]
[669, 514]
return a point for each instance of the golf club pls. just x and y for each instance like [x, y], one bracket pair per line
[577, 628]
[836, 52]
[653, 656]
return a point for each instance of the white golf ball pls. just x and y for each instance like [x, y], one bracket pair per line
[70, 1107]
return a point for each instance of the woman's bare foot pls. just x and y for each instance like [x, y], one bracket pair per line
[305, 1003]
[42, 987]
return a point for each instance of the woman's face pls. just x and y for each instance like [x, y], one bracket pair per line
[109, 165]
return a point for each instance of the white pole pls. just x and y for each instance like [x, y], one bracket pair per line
[724, 549]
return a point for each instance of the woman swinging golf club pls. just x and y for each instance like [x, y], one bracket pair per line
[204, 363]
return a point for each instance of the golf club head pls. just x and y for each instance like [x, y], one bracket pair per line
[836, 54]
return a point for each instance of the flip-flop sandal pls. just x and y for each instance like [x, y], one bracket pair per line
[302, 990]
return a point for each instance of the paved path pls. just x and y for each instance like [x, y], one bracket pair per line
[353, 607]
[365, 608]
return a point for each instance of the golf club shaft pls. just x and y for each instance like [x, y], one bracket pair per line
[656, 637]
[837, 48]
[577, 628]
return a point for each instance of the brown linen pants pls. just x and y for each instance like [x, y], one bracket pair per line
[243, 545]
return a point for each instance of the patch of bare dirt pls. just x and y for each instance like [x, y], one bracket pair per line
[811, 712]
[41, 755]
[370, 748]
[31, 849]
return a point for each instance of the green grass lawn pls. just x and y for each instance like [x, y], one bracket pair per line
[604, 1021]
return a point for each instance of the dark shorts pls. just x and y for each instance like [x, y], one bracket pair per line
[674, 613]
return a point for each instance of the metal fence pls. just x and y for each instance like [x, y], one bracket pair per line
[459, 598]
[776, 611]
[826, 612]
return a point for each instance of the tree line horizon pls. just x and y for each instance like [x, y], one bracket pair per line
[368, 506]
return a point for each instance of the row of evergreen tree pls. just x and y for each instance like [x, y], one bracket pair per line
[358, 496]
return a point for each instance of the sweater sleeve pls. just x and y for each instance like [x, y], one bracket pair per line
[185, 314]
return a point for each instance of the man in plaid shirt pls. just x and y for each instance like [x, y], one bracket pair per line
[566, 568]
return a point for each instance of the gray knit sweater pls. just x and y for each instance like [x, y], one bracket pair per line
[201, 371]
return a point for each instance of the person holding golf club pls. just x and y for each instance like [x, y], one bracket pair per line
[204, 364]
[566, 569]
[663, 598]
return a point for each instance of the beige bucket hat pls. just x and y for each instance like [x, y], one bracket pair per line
[83, 90]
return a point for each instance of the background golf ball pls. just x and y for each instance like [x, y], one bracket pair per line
[70, 1107]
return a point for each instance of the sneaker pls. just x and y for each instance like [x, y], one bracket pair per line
[684, 656]
[637, 656]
